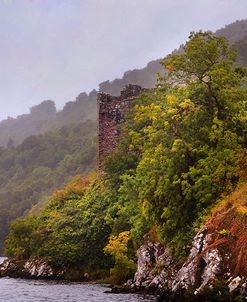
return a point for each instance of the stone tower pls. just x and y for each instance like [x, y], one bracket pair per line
[111, 110]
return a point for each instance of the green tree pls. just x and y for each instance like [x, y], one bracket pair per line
[190, 138]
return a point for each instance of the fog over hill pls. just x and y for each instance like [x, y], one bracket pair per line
[44, 116]
[54, 49]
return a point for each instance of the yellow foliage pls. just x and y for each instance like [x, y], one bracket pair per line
[169, 67]
[177, 144]
[117, 247]
[124, 267]
[171, 99]
[186, 104]
[172, 111]
[242, 210]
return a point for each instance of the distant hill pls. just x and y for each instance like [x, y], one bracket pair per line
[15, 130]
[234, 32]
[145, 77]
[44, 116]
[41, 164]
[242, 51]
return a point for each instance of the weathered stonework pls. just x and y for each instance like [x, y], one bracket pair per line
[111, 110]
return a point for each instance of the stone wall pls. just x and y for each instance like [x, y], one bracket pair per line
[111, 110]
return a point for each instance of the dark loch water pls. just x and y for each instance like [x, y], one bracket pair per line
[20, 290]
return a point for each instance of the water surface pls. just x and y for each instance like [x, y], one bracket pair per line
[21, 290]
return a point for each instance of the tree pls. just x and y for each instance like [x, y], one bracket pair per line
[191, 140]
[207, 69]
[118, 248]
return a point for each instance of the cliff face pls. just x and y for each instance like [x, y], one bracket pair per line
[218, 252]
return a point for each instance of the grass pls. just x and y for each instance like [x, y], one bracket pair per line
[228, 224]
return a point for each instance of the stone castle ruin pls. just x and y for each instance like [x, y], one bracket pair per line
[111, 111]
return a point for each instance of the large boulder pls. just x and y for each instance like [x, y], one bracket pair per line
[153, 266]
[202, 267]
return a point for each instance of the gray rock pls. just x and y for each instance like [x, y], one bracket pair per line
[234, 283]
[38, 268]
[154, 261]
[32, 268]
[202, 266]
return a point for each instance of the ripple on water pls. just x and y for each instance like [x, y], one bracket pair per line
[20, 290]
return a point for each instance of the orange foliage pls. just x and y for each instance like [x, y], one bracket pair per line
[228, 224]
[78, 185]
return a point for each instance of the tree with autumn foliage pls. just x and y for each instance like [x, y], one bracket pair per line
[118, 248]
[190, 136]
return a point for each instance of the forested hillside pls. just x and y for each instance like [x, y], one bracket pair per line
[30, 172]
[237, 33]
[234, 31]
[182, 148]
[13, 131]
[22, 184]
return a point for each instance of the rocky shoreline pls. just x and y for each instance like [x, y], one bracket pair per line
[38, 268]
[31, 269]
[205, 272]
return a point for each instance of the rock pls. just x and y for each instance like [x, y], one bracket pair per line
[234, 283]
[12, 269]
[32, 268]
[202, 266]
[206, 264]
[154, 261]
[237, 284]
[38, 268]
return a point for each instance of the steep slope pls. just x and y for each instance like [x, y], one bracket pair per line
[234, 32]
[218, 256]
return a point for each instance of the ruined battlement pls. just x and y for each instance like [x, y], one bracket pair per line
[111, 111]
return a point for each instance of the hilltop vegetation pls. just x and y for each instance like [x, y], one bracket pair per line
[182, 147]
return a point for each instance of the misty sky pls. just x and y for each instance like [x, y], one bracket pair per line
[55, 49]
